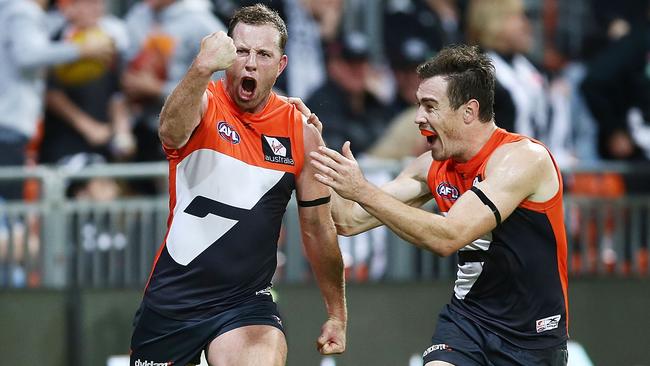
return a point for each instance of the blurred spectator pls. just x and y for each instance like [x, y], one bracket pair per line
[617, 90]
[402, 138]
[345, 104]
[86, 111]
[502, 29]
[437, 22]
[25, 52]
[312, 24]
[404, 59]
[165, 37]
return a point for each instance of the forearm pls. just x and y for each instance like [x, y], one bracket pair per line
[324, 255]
[182, 110]
[62, 106]
[350, 218]
[119, 112]
[423, 229]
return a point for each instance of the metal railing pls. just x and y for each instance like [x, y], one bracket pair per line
[58, 240]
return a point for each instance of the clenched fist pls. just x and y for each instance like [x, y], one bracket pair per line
[217, 52]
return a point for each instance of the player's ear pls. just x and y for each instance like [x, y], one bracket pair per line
[283, 64]
[470, 112]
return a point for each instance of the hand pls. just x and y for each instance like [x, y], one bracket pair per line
[217, 52]
[98, 48]
[340, 172]
[95, 133]
[332, 337]
[312, 119]
[124, 144]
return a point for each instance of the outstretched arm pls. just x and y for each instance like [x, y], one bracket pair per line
[409, 187]
[515, 172]
[185, 106]
[322, 250]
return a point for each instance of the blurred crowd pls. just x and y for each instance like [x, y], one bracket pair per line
[78, 77]
[82, 81]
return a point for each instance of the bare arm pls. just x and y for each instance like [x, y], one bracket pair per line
[515, 172]
[185, 106]
[322, 250]
[409, 187]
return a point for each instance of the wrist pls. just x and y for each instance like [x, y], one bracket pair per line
[201, 68]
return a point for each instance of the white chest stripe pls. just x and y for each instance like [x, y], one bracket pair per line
[218, 177]
[469, 272]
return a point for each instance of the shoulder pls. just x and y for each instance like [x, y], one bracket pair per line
[521, 161]
[312, 139]
[524, 150]
[419, 167]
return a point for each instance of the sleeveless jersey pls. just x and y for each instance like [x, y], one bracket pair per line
[512, 281]
[229, 187]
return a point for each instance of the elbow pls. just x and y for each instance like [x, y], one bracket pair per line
[347, 230]
[168, 139]
[441, 248]
[444, 245]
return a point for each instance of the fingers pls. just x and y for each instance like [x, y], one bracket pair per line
[347, 152]
[332, 154]
[331, 348]
[315, 121]
[300, 105]
[325, 169]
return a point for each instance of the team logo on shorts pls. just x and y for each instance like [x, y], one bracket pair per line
[436, 347]
[138, 362]
[228, 133]
[447, 191]
[549, 323]
[277, 150]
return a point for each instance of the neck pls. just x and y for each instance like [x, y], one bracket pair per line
[476, 140]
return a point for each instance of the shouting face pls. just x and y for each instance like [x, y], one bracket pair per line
[258, 64]
[437, 120]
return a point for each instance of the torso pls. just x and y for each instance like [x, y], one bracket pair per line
[229, 188]
[513, 280]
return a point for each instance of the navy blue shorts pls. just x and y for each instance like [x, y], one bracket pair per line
[160, 341]
[460, 341]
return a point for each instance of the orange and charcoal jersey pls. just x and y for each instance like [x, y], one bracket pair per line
[229, 187]
[513, 280]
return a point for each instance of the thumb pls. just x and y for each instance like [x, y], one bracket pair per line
[346, 151]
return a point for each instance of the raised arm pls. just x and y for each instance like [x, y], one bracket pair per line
[185, 106]
[321, 248]
[517, 171]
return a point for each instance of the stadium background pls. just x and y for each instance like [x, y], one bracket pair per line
[79, 288]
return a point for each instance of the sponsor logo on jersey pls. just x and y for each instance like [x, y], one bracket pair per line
[277, 150]
[228, 133]
[139, 362]
[436, 347]
[549, 323]
[447, 191]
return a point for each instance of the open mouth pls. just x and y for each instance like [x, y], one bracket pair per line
[248, 86]
[430, 135]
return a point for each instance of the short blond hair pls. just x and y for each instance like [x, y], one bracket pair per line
[485, 18]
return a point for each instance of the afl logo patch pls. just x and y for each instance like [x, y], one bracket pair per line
[447, 191]
[228, 133]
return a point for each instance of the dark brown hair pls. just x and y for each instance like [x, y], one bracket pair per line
[469, 73]
[260, 14]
